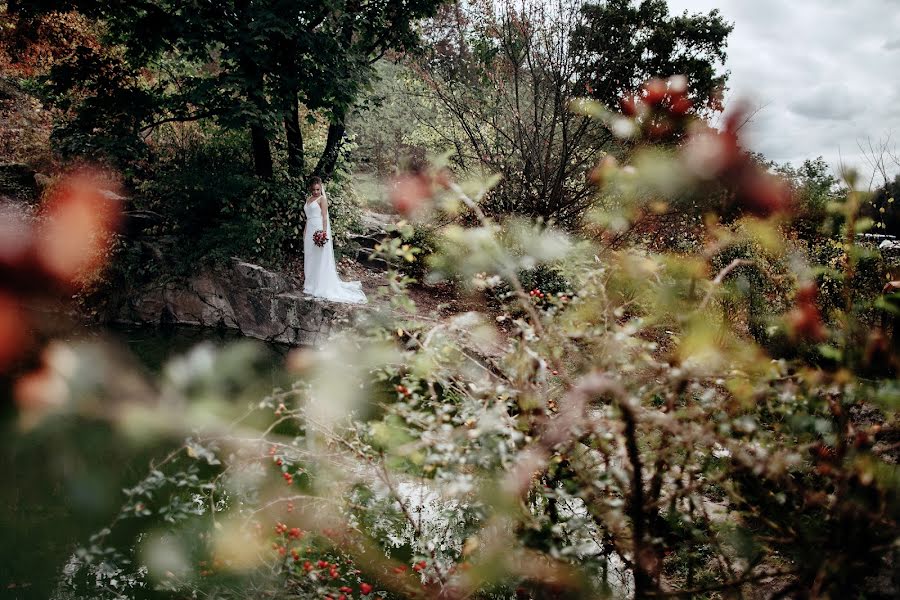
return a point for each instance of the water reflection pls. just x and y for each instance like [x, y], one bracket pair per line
[64, 478]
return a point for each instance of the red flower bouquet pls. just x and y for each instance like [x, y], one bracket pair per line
[320, 238]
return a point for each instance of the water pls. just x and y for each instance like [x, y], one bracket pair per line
[63, 480]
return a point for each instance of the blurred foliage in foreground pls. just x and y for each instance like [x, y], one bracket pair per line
[627, 436]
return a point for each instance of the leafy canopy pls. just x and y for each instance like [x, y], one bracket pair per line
[620, 44]
[243, 62]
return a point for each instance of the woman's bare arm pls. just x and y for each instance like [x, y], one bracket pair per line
[323, 204]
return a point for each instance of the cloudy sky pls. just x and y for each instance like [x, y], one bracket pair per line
[827, 73]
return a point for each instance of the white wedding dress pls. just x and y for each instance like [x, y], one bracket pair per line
[320, 278]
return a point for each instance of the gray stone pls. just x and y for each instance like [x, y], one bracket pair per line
[259, 303]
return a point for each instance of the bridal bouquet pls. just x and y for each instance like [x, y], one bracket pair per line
[320, 238]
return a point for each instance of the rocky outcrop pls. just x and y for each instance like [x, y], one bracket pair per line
[374, 230]
[242, 296]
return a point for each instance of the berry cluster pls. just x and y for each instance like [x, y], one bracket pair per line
[318, 569]
[661, 109]
[661, 112]
[285, 473]
[540, 296]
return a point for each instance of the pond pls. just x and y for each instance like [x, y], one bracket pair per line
[64, 480]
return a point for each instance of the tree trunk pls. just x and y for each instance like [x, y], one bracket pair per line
[294, 135]
[328, 160]
[262, 152]
[259, 137]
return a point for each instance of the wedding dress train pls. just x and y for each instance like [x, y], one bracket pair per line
[320, 278]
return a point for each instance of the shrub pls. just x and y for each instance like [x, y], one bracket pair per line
[632, 439]
[215, 206]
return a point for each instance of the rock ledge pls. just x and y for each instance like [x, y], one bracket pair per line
[249, 298]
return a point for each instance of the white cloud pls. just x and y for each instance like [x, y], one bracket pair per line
[825, 72]
[829, 101]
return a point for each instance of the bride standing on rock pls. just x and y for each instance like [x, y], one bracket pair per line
[320, 278]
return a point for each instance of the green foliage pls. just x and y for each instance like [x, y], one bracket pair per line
[546, 279]
[651, 416]
[396, 128]
[619, 44]
[246, 65]
[759, 291]
[883, 208]
[504, 76]
[105, 106]
[215, 207]
[411, 248]
[637, 416]
[815, 192]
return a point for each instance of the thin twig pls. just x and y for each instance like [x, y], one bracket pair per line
[720, 277]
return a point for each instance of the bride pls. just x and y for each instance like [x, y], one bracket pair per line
[320, 278]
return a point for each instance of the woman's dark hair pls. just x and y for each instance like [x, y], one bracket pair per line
[313, 181]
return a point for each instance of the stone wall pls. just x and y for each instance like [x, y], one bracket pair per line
[255, 301]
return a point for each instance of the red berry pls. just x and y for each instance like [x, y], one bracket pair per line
[322, 564]
[629, 105]
[654, 91]
[680, 106]
[365, 588]
[345, 589]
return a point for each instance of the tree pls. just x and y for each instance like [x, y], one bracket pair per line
[248, 63]
[503, 77]
[814, 187]
[506, 73]
[619, 44]
[883, 208]
[28, 49]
